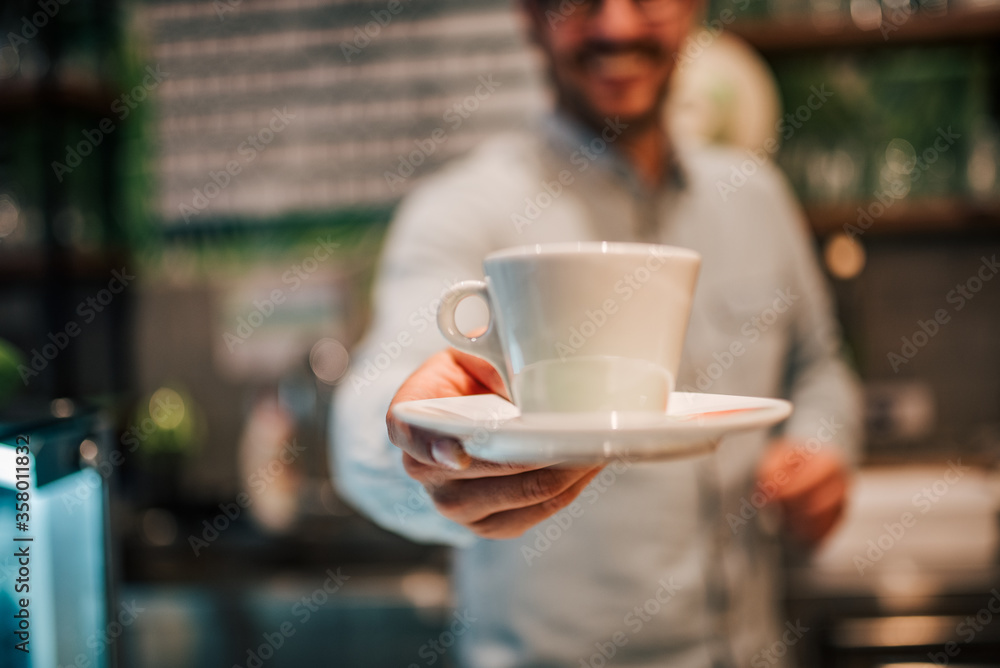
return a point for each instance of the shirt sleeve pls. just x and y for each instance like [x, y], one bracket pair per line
[434, 242]
[824, 389]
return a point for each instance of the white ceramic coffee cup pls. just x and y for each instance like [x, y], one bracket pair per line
[591, 327]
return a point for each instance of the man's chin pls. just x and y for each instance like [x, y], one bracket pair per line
[638, 109]
[596, 108]
[632, 116]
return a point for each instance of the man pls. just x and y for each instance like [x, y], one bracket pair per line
[632, 564]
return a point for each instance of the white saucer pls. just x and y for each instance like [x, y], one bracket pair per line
[492, 428]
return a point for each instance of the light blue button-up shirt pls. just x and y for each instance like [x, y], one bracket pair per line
[655, 564]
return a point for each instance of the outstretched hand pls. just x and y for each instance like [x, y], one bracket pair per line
[493, 500]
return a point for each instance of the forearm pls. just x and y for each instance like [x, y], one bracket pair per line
[368, 472]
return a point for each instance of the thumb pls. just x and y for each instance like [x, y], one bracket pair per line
[482, 371]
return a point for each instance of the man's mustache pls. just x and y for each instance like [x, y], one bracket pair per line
[593, 48]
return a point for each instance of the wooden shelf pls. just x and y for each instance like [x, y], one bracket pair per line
[908, 217]
[775, 36]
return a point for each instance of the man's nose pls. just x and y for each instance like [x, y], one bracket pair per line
[619, 19]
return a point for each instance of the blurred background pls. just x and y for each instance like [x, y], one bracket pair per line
[192, 199]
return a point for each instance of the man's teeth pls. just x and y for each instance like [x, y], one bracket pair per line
[619, 64]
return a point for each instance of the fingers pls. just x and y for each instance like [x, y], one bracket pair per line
[513, 523]
[814, 474]
[816, 525]
[813, 512]
[828, 491]
[789, 471]
[470, 501]
[831, 491]
[444, 374]
[446, 459]
[481, 370]
[401, 435]
[811, 488]
[427, 447]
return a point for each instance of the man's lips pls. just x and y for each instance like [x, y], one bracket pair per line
[618, 66]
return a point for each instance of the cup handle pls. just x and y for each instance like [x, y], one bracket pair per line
[485, 346]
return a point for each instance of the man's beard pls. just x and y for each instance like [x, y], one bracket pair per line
[575, 102]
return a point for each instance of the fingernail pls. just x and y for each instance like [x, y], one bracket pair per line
[450, 454]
